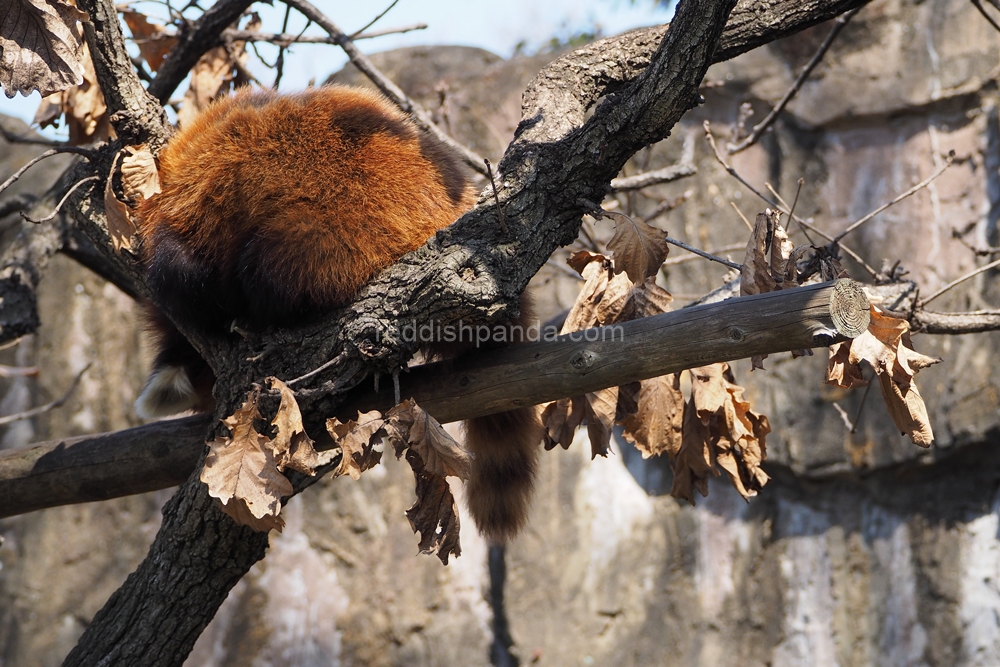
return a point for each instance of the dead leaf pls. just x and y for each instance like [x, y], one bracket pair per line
[210, 78]
[583, 314]
[243, 465]
[561, 419]
[140, 178]
[241, 514]
[362, 450]
[291, 446]
[121, 226]
[153, 42]
[656, 427]
[581, 258]
[719, 430]
[614, 305]
[82, 105]
[434, 514]
[907, 409]
[638, 249]
[887, 347]
[648, 299]
[755, 276]
[628, 401]
[41, 47]
[441, 454]
[599, 409]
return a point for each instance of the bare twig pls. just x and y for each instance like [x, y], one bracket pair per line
[668, 205]
[843, 417]
[591, 241]
[386, 85]
[375, 20]
[47, 154]
[982, 10]
[916, 188]
[279, 62]
[689, 258]
[21, 202]
[285, 39]
[34, 412]
[13, 138]
[742, 217]
[336, 361]
[762, 126]
[726, 262]
[62, 201]
[672, 173]
[790, 209]
[496, 197]
[18, 371]
[960, 280]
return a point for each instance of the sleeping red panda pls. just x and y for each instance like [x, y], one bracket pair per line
[276, 209]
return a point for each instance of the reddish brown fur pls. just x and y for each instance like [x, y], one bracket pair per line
[275, 209]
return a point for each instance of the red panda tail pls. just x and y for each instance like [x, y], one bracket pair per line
[505, 446]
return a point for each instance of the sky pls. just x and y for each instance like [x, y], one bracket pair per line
[497, 27]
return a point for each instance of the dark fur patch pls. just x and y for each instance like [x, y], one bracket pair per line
[450, 171]
[363, 121]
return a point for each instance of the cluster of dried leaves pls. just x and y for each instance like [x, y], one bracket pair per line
[245, 470]
[42, 48]
[713, 430]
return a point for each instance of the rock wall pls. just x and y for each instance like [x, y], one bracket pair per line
[863, 549]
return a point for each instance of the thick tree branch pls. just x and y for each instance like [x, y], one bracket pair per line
[147, 457]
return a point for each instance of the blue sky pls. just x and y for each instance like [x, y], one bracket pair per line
[497, 27]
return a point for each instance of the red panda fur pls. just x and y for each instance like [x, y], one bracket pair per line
[275, 209]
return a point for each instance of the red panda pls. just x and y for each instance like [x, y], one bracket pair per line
[275, 209]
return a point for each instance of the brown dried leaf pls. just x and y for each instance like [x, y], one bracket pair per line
[355, 439]
[441, 454]
[719, 428]
[755, 276]
[242, 515]
[638, 249]
[840, 371]
[907, 409]
[561, 419]
[583, 314]
[244, 466]
[600, 408]
[648, 299]
[434, 514]
[628, 401]
[579, 260]
[656, 426]
[154, 44]
[83, 105]
[694, 462]
[41, 47]
[140, 179]
[291, 446]
[614, 304]
[121, 226]
[210, 78]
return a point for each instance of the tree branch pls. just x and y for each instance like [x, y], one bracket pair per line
[147, 457]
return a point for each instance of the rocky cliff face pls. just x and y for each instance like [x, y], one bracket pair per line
[863, 549]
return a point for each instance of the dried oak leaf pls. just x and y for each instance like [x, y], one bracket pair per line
[441, 454]
[82, 105]
[41, 46]
[561, 419]
[656, 426]
[140, 178]
[887, 346]
[600, 408]
[121, 225]
[243, 465]
[241, 514]
[153, 42]
[210, 78]
[755, 275]
[639, 249]
[291, 446]
[434, 514]
[359, 441]
[597, 274]
[719, 428]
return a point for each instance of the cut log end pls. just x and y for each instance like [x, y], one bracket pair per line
[849, 308]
